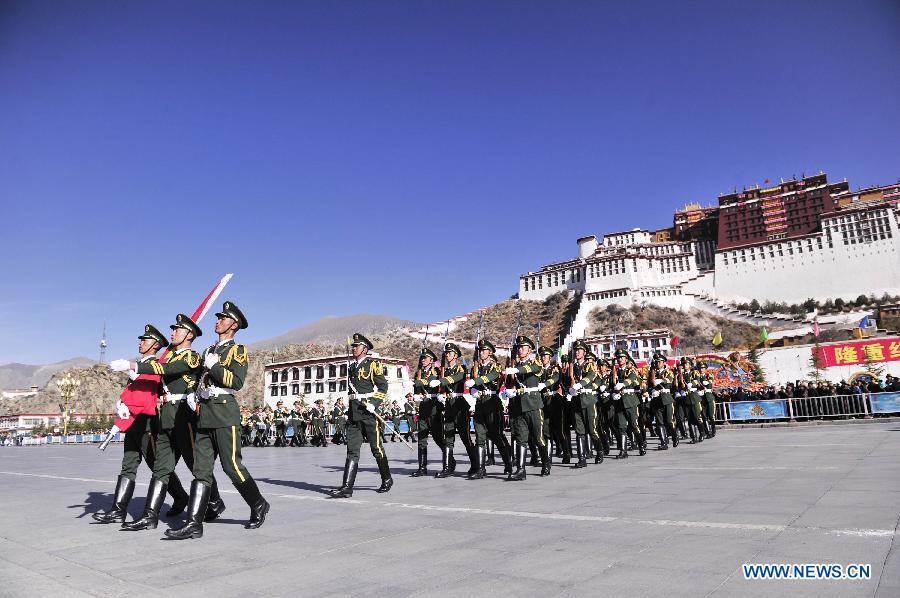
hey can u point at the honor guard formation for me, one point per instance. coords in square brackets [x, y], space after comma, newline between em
[182, 406]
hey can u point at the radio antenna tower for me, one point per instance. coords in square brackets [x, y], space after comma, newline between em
[103, 345]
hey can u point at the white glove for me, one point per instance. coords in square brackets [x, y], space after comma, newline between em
[706, 383]
[511, 371]
[434, 383]
[369, 407]
[122, 410]
[511, 392]
[119, 365]
[569, 396]
[470, 400]
[645, 399]
[470, 383]
[210, 360]
[572, 392]
[654, 394]
[417, 397]
[603, 388]
[577, 386]
[442, 399]
[616, 396]
[132, 374]
[474, 393]
[541, 386]
[191, 402]
[691, 387]
[620, 386]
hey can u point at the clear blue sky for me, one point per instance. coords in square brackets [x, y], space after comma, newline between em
[408, 158]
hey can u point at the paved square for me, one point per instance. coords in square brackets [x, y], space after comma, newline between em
[676, 523]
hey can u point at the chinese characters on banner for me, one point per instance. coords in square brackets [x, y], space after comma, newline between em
[871, 351]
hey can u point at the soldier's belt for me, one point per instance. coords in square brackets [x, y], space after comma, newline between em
[530, 389]
[486, 393]
[627, 391]
[172, 398]
[585, 391]
[363, 397]
[216, 391]
[456, 395]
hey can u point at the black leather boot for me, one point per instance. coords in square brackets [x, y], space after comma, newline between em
[620, 444]
[423, 461]
[520, 472]
[446, 456]
[579, 446]
[452, 461]
[481, 455]
[701, 431]
[249, 491]
[193, 528]
[712, 428]
[691, 432]
[642, 444]
[491, 453]
[662, 432]
[346, 488]
[150, 519]
[386, 480]
[506, 456]
[545, 460]
[215, 506]
[566, 448]
[124, 490]
[179, 496]
[674, 433]
[533, 453]
[598, 450]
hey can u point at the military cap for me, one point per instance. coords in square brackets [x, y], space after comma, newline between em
[151, 332]
[686, 360]
[658, 356]
[183, 321]
[590, 355]
[230, 310]
[359, 339]
[603, 363]
[544, 350]
[320, 400]
[580, 344]
[486, 344]
[624, 353]
[524, 341]
[429, 353]
[452, 347]
[564, 358]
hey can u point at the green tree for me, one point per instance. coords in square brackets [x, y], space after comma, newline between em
[862, 300]
[754, 306]
[839, 303]
[815, 362]
[757, 372]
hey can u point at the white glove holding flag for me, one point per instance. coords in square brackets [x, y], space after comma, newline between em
[510, 393]
[616, 396]
[369, 407]
[654, 394]
[434, 383]
[470, 383]
[120, 365]
[210, 360]
[191, 402]
[603, 388]
[122, 410]
[511, 371]
[620, 386]
[442, 399]
[474, 393]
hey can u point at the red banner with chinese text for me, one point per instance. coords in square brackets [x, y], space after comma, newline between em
[872, 351]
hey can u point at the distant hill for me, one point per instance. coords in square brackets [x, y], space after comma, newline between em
[20, 376]
[334, 330]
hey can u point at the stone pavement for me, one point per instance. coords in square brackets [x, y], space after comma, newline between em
[675, 523]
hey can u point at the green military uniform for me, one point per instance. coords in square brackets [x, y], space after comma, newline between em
[431, 413]
[281, 415]
[217, 436]
[452, 381]
[561, 413]
[396, 414]
[484, 384]
[340, 421]
[606, 405]
[660, 384]
[709, 402]
[410, 410]
[317, 415]
[627, 395]
[368, 382]
[694, 387]
[525, 410]
[583, 390]
[550, 383]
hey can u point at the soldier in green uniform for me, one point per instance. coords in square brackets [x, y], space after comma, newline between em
[550, 384]
[693, 386]
[483, 385]
[626, 393]
[561, 415]
[177, 421]
[368, 383]
[225, 365]
[317, 415]
[660, 381]
[410, 409]
[396, 414]
[431, 411]
[140, 440]
[525, 403]
[339, 419]
[580, 381]
[709, 401]
[606, 406]
[451, 381]
[281, 416]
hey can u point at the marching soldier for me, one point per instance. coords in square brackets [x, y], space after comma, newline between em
[692, 386]
[525, 403]
[140, 437]
[395, 420]
[368, 382]
[178, 421]
[297, 422]
[281, 416]
[483, 385]
[626, 393]
[709, 401]
[549, 388]
[225, 365]
[452, 380]
[560, 421]
[410, 409]
[317, 414]
[661, 380]
[431, 411]
[339, 419]
[606, 406]
[581, 376]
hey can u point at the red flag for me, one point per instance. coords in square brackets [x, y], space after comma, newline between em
[816, 327]
[674, 342]
[766, 182]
